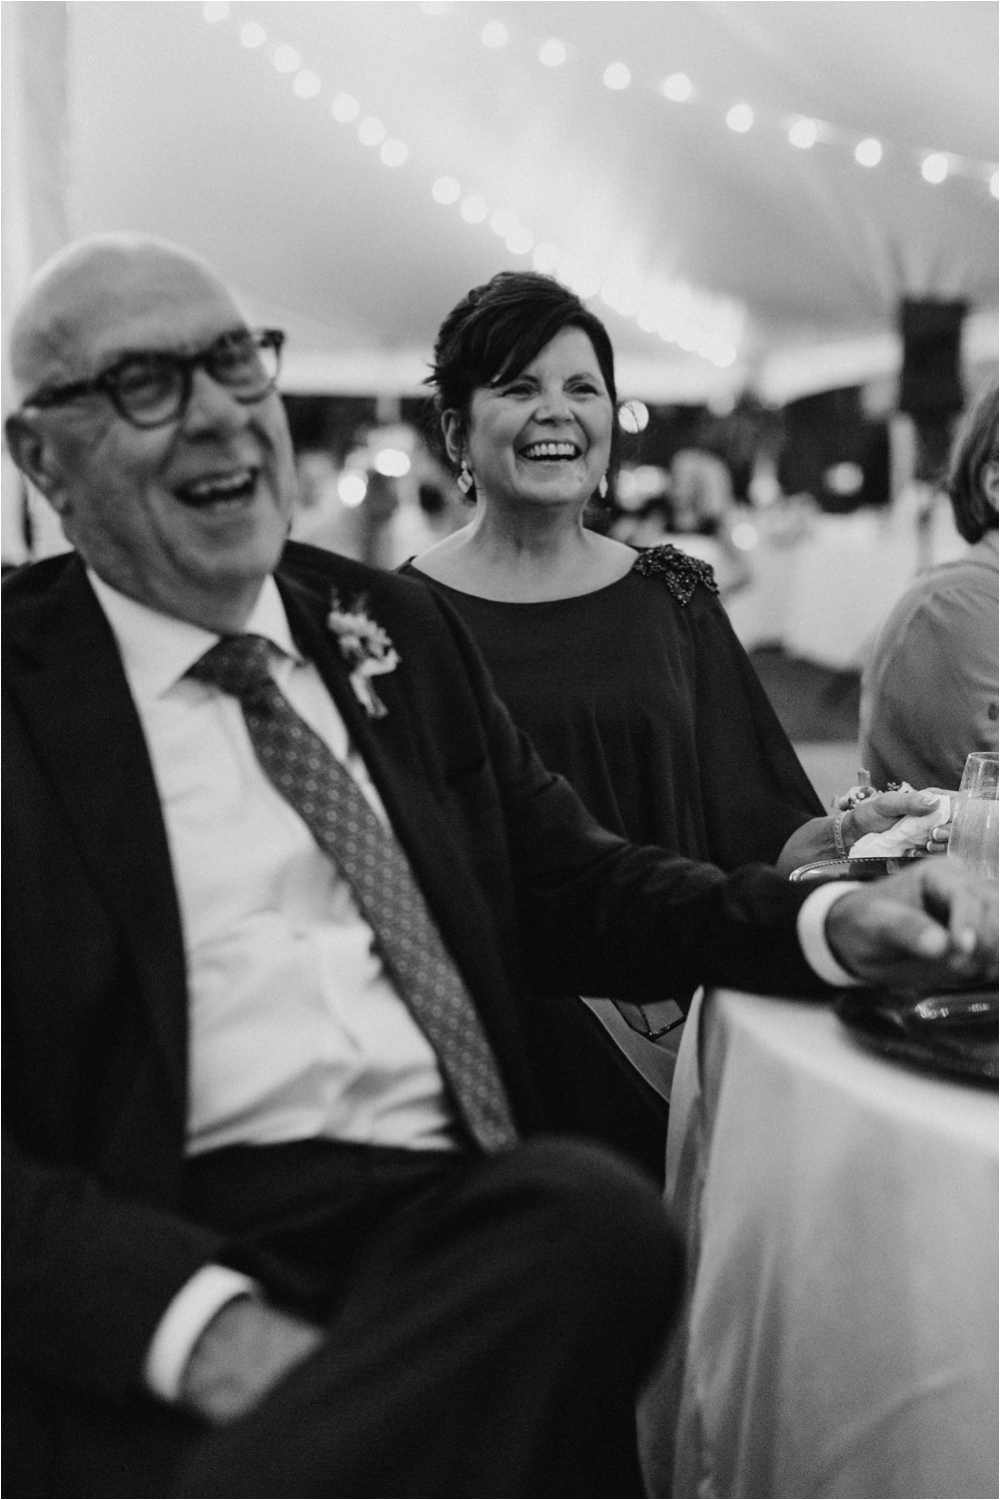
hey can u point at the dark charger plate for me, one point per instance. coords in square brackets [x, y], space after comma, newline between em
[845, 869]
[951, 1034]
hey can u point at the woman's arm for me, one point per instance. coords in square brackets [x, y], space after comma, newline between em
[817, 839]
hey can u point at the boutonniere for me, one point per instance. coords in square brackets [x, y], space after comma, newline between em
[365, 647]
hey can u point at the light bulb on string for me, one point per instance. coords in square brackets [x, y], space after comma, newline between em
[678, 88]
[934, 167]
[286, 59]
[617, 76]
[520, 242]
[803, 133]
[393, 153]
[371, 132]
[306, 84]
[446, 190]
[345, 108]
[868, 153]
[494, 34]
[552, 53]
[995, 184]
[252, 34]
[740, 118]
[351, 489]
[215, 11]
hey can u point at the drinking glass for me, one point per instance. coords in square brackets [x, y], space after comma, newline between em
[975, 823]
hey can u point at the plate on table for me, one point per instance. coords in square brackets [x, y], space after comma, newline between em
[952, 1034]
[844, 869]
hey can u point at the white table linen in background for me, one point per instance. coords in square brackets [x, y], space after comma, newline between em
[821, 585]
[841, 1217]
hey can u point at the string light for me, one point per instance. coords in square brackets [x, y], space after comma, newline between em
[286, 59]
[352, 488]
[678, 87]
[552, 53]
[371, 132]
[995, 184]
[803, 133]
[446, 190]
[394, 153]
[617, 75]
[345, 108]
[307, 84]
[934, 168]
[700, 322]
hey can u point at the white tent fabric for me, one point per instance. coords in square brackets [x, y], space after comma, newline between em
[176, 125]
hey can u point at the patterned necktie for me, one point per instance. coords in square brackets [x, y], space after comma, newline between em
[327, 798]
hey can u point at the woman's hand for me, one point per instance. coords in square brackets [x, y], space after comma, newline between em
[876, 814]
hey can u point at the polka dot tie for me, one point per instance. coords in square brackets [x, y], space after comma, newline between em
[327, 798]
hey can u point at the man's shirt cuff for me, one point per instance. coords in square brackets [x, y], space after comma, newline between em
[185, 1320]
[811, 927]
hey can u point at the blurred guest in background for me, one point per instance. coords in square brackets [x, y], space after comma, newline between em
[622, 667]
[929, 693]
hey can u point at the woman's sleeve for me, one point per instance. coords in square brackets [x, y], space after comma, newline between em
[754, 791]
[929, 695]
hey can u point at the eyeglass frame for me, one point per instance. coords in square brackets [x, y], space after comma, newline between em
[104, 384]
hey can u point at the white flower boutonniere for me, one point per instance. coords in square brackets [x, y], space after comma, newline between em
[366, 648]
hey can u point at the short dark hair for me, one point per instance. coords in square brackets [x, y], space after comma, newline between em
[499, 328]
[974, 447]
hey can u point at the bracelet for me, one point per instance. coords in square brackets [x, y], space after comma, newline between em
[838, 833]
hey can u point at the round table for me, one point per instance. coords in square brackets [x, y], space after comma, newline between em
[841, 1219]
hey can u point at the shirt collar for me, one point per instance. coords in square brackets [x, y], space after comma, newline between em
[158, 649]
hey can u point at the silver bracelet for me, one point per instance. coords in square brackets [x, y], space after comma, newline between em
[838, 834]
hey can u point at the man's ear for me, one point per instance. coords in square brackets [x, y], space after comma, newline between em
[453, 432]
[32, 451]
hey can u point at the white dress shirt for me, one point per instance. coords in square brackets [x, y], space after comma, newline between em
[295, 1030]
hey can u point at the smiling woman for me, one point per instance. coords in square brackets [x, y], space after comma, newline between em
[621, 666]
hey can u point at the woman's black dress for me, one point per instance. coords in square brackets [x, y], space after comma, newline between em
[642, 697]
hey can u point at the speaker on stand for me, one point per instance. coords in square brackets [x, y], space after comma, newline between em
[930, 391]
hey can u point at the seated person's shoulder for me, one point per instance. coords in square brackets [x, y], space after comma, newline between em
[30, 582]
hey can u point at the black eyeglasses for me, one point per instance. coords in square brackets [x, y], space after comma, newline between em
[153, 388]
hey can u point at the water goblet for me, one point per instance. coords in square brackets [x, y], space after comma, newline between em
[975, 823]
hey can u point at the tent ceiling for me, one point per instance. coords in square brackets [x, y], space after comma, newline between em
[178, 128]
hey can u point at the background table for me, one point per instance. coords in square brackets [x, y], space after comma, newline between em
[841, 1217]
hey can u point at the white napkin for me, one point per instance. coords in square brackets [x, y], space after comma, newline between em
[911, 832]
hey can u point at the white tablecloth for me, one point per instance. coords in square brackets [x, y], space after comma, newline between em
[822, 589]
[841, 1217]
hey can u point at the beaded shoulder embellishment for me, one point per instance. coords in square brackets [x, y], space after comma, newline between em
[679, 572]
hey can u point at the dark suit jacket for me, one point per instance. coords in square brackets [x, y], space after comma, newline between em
[530, 893]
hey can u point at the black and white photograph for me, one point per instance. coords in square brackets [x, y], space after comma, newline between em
[500, 738]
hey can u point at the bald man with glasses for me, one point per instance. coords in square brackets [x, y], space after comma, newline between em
[288, 1212]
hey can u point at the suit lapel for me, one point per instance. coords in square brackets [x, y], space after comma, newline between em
[68, 680]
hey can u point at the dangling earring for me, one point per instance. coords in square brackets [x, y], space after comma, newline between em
[602, 488]
[465, 480]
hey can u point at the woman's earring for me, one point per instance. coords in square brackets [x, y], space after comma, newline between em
[465, 480]
[602, 488]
